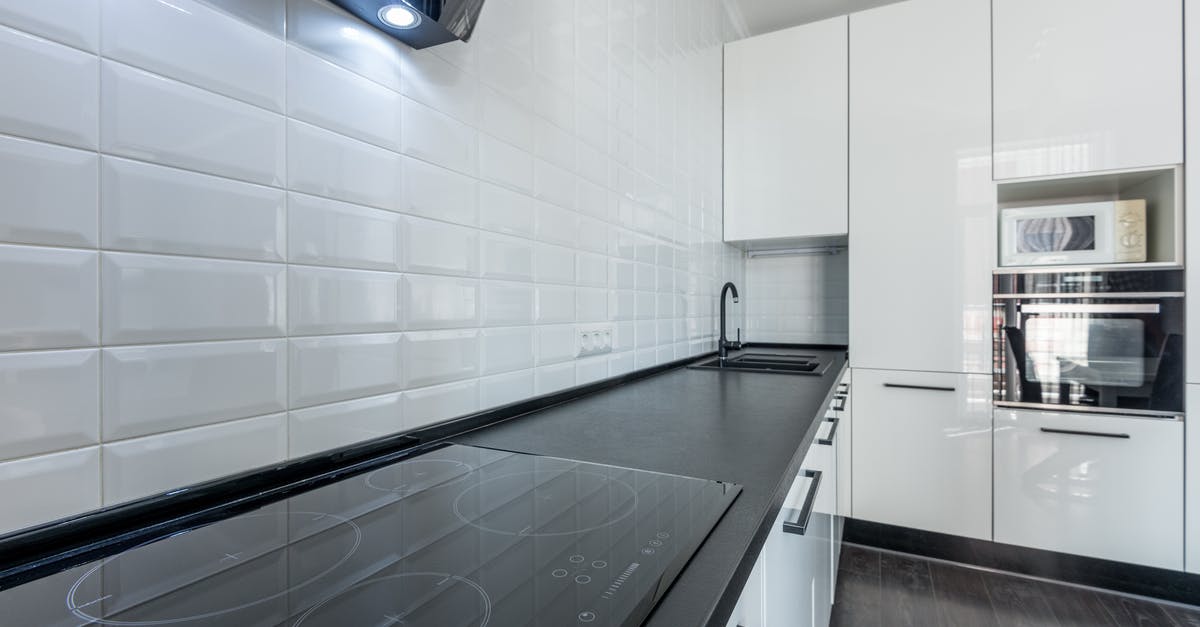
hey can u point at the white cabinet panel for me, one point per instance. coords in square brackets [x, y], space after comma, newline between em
[1087, 85]
[921, 216]
[785, 133]
[923, 451]
[1191, 496]
[1192, 183]
[1100, 486]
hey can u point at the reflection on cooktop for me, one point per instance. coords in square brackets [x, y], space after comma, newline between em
[456, 537]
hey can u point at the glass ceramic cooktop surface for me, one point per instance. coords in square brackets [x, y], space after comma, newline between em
[456, 537]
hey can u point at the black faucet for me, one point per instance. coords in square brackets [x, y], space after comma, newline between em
[723, 344]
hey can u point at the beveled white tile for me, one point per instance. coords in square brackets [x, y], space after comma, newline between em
[151, 118]
[327, 164]
[322, 428]
[434, 192]
[152, 298]
[591, 369]
[620, 363]
[333, 233]
[65, 483]
[144, 466]
[592, 235]
[624, 339]
[555, 304]
[505, 211]
[193, 43]
[554, 185]
[51, 401]
[503, 118]
[622, 305]
[504, 164]
[337, 368]
[506, 303]
[506, 257]
[433, 302]
[555, 145]
[556, 225]
[547, 379]
[507, 71]
[591, 304]
[592, 270]
[432, 357]
[553, 264]
[50, 298]
[151, 389]
[49, 194]
[591, 164]
[433, 247]
[154, 209]
[505, 349]
[645, 334]
[621, 274]
[554, 343]
[65, 21]
[503, 389]
[50, 90]
[329, 300]
[430, 80]
[644, 305]
[339, 36]
[337, 99]
[435, 137]
[426, 406]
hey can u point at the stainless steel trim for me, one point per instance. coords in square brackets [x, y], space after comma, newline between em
[1086, 295]
[1139, 266]
[1111, 411]
[1094, 308]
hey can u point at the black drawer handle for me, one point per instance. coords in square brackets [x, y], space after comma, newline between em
[1097, 434]
[931, 388]
[828, 441]
[843, 388]
[839, 403]
[800, 525]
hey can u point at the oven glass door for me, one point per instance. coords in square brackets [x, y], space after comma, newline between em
[1093, 353]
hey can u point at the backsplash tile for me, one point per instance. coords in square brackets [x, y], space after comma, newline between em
[797, 299]
[281, 237]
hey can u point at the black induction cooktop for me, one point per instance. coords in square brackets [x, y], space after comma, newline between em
[455, 537]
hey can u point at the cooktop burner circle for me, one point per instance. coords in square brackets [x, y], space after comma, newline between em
[397, 599]
[80, 607]
[412, 476]
[589, 495]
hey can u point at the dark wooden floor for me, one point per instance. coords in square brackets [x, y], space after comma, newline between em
[879, 589]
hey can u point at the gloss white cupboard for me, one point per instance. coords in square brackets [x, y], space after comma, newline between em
[1087, 85]
[785, 133]
[1192, 481]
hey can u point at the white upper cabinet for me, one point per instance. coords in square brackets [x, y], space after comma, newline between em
[1087, 85]
[922, 223]
[785, 133]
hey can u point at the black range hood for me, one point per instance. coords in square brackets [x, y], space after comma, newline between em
[418, 23]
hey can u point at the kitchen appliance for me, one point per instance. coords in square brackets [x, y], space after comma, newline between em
[1099, 341]
[1084, 233]
[419, 23]
[456, 536]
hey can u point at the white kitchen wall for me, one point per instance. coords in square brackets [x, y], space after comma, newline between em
[238, 232]
[797, 299]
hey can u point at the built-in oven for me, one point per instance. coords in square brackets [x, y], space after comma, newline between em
[1096, 341]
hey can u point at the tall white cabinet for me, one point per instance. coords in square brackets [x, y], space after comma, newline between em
[1087, 85]
[1192, 423]
[922, 232]
[785, 133]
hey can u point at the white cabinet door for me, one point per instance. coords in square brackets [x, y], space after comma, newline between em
[796, 566]
[844, 445]
[1106, 487]
[923, 450]
[750, 606]
[785, 133]
[1192, 198]
[922, 225]
[1087, 85]
[1192, 482]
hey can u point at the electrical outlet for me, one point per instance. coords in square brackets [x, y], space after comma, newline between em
[593, 339]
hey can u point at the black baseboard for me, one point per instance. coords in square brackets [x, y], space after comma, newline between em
[1146, 581]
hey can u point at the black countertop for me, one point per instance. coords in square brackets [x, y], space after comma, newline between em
[742, 427]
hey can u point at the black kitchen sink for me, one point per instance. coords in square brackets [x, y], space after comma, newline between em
[766, 362]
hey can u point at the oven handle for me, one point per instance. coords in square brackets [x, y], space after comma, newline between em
[800, 525]
[1097, 434]
[1091, 308]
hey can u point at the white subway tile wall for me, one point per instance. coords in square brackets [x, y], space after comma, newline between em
[237, 232]
[797, 299]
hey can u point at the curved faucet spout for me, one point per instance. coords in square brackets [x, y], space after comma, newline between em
[723, 344]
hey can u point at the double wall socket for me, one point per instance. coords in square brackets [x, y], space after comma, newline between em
[593, 339]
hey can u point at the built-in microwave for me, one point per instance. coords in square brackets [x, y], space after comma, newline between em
[1076, 234]
[1096, 341]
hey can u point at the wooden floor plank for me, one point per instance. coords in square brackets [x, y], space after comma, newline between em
[858, 602]
[961, 596]
[906, 591]
[857, 559]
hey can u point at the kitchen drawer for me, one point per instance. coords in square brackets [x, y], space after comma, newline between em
[923, 450]
[1101, 486]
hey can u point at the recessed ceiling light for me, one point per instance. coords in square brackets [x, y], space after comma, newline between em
[399, 16]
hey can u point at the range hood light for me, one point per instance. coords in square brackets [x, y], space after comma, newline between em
[399, 16]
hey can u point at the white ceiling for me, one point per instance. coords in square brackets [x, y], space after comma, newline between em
[764, 16]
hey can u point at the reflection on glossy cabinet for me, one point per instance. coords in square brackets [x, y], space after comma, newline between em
[922, 227]
[785, 133]
[1192, 482]
[1087, 85]
[1109, 487]
[923, 450]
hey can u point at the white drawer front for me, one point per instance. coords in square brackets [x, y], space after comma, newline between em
[1106, 487]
